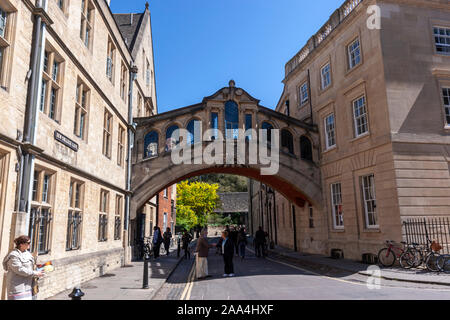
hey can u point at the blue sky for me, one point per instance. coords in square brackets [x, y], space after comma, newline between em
[199, 45]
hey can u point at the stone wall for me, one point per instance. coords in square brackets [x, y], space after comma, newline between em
[73, 271]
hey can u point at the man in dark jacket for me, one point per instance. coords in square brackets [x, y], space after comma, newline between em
[260, 238]
[228, 253]
[186, 239]
[157, 240]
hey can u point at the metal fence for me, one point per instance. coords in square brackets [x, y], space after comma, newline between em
[423, 230]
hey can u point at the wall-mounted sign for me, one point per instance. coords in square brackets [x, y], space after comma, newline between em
[66, 141]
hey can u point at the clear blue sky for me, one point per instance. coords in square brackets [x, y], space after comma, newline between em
[199, 45]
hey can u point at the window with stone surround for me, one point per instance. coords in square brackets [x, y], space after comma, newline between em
[123, 82]
[81, 110]
[370, 203]
[87, 22]
[442, 40]
[103, 216]
[147, 72]
[51, 87]
[287, 141]
[121, 146]
[118, 218]
[7, 21]
[311, 217]
[75, 215]
[354, 54]
[140, 103]
[330, 134]
[446, 97]
[41, 211]
[107, 130]
[60, 4]
[336, 206]
[325, 76]
[110, 58]
[360, 119]
[304, 93]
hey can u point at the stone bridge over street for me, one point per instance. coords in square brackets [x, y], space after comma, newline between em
[222, 115]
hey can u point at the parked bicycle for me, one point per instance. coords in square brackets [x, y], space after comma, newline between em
[391, 253]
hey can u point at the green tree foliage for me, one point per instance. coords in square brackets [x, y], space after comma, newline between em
[195, 202]
[226, 182]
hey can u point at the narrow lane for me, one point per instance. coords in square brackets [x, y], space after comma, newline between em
[267, 279]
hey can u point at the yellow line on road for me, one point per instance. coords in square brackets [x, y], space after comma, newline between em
[187, 290]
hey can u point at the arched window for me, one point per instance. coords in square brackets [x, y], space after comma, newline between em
[231, 120]
[287, 141]
[306, 148]
[267, 126]
[172, 137]
[194, 129]
[151, 144]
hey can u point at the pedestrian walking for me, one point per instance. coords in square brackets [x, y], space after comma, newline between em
[186, 239]
[260, 238]
[228, 253]
[167, 236]
[242, 243]
[157, 240]
[21, 274]
[202, 255]
[234, 236]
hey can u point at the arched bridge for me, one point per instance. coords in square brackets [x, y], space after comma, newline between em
[227, 113]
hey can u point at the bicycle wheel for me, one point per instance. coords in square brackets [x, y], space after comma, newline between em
[386, 257]
[431, 262]
[410, 259]
[443, 263]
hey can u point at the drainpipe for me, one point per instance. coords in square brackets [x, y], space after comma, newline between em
[295, 228]
[130, 142]
[22, 223]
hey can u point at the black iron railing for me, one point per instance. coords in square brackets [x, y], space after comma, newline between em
[424, 230]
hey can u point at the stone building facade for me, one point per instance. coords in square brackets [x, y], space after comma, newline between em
[65, 129]
[380, 99]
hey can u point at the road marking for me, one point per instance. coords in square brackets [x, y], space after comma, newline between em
[346, 281]
[189, 284]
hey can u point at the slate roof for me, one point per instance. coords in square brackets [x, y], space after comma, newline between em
[233, 202]
[129, 28]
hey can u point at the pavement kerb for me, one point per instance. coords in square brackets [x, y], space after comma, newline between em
[364, 273]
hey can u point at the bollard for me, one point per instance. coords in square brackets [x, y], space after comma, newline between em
[145, 280]
[76, 294]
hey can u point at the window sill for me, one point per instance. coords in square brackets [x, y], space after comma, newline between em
[353, 69]
[342, 230]
[304, 104]
[322, 91]
[372, 230]
[364, 135]
[333, 148]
